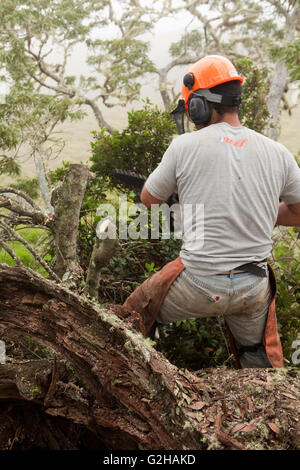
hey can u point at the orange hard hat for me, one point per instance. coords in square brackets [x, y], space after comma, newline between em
[208, 72]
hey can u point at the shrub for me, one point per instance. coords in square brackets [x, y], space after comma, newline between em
[286, 262]
[254, 111]
[29, 186]
[139, 147]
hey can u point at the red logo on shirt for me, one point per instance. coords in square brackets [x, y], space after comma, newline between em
[235, 143]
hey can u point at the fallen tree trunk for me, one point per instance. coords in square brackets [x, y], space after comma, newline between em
[110, 380]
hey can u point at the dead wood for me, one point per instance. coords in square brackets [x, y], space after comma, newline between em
[111, 381]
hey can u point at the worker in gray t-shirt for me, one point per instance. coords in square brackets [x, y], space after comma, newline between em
[236, 177]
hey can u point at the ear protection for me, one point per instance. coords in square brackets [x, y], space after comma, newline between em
[198, 105]
[199, 110]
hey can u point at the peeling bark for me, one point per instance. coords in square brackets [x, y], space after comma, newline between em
[128, 385]
[113, 381]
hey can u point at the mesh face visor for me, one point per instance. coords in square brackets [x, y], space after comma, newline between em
[178, 115]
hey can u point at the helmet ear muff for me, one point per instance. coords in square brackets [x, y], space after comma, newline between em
[189, 80]
[199, 110]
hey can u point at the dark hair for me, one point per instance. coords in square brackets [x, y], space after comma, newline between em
[229, 88]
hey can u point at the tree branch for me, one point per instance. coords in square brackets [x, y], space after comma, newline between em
[66, 200]
[36, 256]
[41, 173]
[22, 195]
[11, 253]
[104, 249]
[36, 216]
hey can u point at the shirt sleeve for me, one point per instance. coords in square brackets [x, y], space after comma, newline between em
[162, 181]
[291, 190]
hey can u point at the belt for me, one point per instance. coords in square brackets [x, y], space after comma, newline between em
[259, 268]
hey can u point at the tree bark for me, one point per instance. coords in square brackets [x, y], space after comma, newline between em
[280, 76]
[98, 115]
[114, 382]
[22, 205]
[277, 88]
[42, 179]
[104, 249]
[67, 200]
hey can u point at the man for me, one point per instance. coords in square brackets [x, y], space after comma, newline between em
[239, 176]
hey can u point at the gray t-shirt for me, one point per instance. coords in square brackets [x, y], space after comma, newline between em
[238, 175]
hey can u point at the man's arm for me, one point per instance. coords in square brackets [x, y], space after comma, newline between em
[162, 181]
[147, 198]
[288, 215]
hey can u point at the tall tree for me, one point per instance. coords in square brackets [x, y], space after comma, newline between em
[38, 39]
[239, 29]
[28, 121]
[288, 29]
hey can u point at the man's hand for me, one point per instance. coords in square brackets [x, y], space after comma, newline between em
[288, 215]
[147, 198]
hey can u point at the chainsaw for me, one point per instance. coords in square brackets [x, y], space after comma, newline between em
[136, 181]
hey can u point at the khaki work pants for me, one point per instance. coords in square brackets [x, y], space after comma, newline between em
[243, 299]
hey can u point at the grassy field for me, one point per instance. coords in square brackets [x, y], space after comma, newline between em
[290, 126]
[78, 136]
[34, 237]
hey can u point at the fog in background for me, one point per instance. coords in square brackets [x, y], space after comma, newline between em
[78, 134]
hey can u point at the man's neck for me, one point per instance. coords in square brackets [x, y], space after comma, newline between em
[230, 118]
